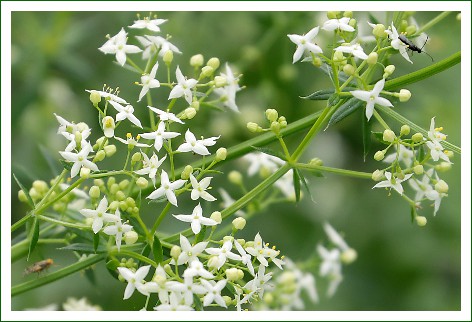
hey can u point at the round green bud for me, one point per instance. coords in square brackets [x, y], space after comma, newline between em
[449, 153]
[99, 182]
[216, 216]
[207, 71]
[94, 192]
[421, 221]
[347, 14]
[221, 154]
[443, 166]
[84, 172]
[379, 155]
[220, 81]
[22, 196]
[235, 177]
[196, 60]
[275, 127]
[195, 105]
[100, 141]
[136, 157]
[379, 31]
[100, 156]
[232, 274]
[316, 162]
[417, 137]
[123, 184]
[123, 206]
[130, 237]
[252, 127]
[239, 223]
[271, 114]
[249, 244]
[110, 150]
[95, 97]
[114, 205]
[403, 26]
[111, 181]
[228, 238]
[228, 300]
[389, 69]
[130, 202]
[349, 70]
[410, 30]
[317, 62]
[405, 130]
[404, 95]
[41, 186]
[377, 175]
[213, 262]
[418, 169]
[348, 256]
[388, 136]
[188, 170]
[142, 183]
[441, 186]
[120, 195]
[372, 58]
[88, 221]
[338, 57]
[189, 113]
[353, 23]
[175, 252]
[333, 14]
[213, 63]
[168, 57]
[114, 188]
[268, 298]
[168, 269]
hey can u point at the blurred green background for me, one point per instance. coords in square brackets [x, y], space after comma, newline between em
[400, 266]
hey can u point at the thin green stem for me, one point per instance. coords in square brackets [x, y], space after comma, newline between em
[132, 63]
[62, 223]
[124, 252]
[160, 219]
[343, 172]
[381, 120]
[433, 22]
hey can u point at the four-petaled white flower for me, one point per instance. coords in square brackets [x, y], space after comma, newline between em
[166, 116]
[228, 201]
[163, 45]
[228, 92]
[245, 257]
[131, 142]
[392, 182]
[196, 269]
[422, 186]
[159, 135]
[199, 188]
[174, 304]
[99, 215]
[353, 49]
[223, 253]
[125, 112]
[189, 253]
[135, 280]
[372, 98]
[150, 166]
[258, 250]
[434, 134]
[214, 292]
[167, 189]
[187, 288]
[108, 96]
[259, 283]
[151, 24]
[184, 87]
[196, 219]
[79, 159]
[149, 81]
[305, 43]
[117, 45]
[261, 161]
[331, 267]
[435, 146]
[118, 229]
[338, 24]
[157, 285]
[397, 43]
[72, 136]
[404, 155]
[196, 146]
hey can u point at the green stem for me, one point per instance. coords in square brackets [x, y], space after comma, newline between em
[124, 252]
[160, 218]
[132, 63]
[37, 282]
[343, 172]
[432, 22]
[62, 223]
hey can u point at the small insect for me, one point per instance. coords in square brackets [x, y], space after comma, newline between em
[38, 267]
[412, 46]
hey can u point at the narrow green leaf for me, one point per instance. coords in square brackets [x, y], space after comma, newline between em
[269, 151]
[33, 237]
[201, 235]
[328, 71]
[157, 250]
[90, 275]
[50, 160]
[346, 109]
[136, 226]
[366, 135]
[84, 248]
[325, 94]
[379, 137]
[296, 184]
[197, 302]
[112, 266]
[333, 99]
[306, 186]
[96, 242]
[28, 197]
[138, 200]
[145, 252]
[413, 213]
[421, 153]
[230, 288]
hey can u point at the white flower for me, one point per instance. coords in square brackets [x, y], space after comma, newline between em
[261, 161]
[175, 304]
[149, 81]
[214, 292]
[285, 184]
[404, 155]
[163, 45]
[336, 238]
[341, 24]
[189, 253]
[64, 125]
[434, 134]
[80, 160]
[196, 146]
[223, 253]
[436, 150]
[166, 116]
[228, 201]
[187, 288]
[125, 112]
[135, 280]
[305, 43]
[392, 182]
[108, 126]
[150, 166]
[118, 229]
[423, 186]
[72, 142]
[109, 96]
[245, 257]
[99, 215]
[160, 135]
[397, 43]
[196, 269]
[228, 92]
[372, 98]
[117, 45]
[353, 49]
[151, 24]
[331, 267]
[196, 219]
[167, 188]
[149, 47]
[183, 88]
[258, 284]
[258, 250]
[157, 285]
[73, 304]
[199, 188]
[131, 142]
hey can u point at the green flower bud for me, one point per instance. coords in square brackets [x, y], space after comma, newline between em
[410, 30]
[377, 175]
[449, 153]
[136, 157]
[232, 274]
[417, 137]
[220, 81]
[196, 60]
[41, 186]
[111, 181]
[175, 252]
[195, 105]
[22, 196]
[348, 256]
[216, 216]
[120, 195]
[94, 192]
[317, 62]
[421, 221]
[114, 205]
[100, 141]
[213, 63]
[228, 300]
[99, 156]
[142, 183]
[187, 172]
[347, 14]
[221, 154]
[372, 58]
[379, 31]
[405, 130]
[418, 169]
[84, 172]
[213, 262]
[268, 298]
[271, 114]
[123, 184]
[89, 221]
[252, 127]
[349, 69]
[235, 177]
[239, 223]
[168, 57]
[130, 237]
[109, 150]
[338, 57]
[443, 166]
[275, 127]
[389, 69]
[95, 97]
[389, 136]
[123, 206]
[207, 71]
[114, 188]
[353, 23]
[99, 182]
[130, 202]
[441, 186]
[379, 155]
[333, 14]
[404, 95]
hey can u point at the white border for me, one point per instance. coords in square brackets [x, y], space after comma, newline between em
[8, 7]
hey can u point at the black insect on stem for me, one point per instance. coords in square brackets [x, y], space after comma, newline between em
[412, 46]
